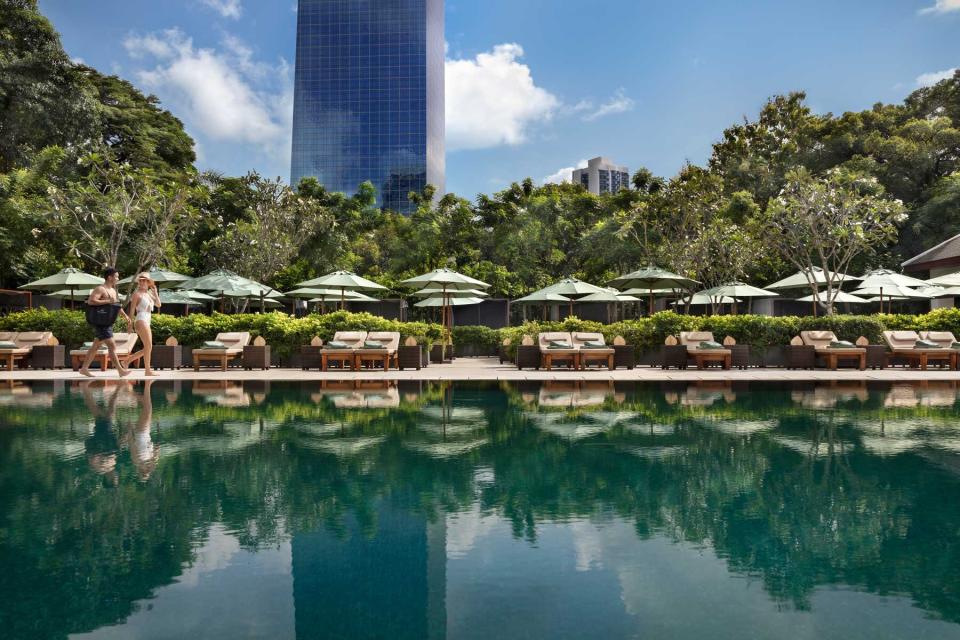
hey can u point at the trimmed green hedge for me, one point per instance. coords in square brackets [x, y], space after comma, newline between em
[285, 334]
[759, 331]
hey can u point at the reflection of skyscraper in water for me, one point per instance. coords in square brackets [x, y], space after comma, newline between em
[389, 584]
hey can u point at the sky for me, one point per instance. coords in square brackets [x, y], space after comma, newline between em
[534, 87]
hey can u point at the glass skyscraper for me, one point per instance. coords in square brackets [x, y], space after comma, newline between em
[369, 96]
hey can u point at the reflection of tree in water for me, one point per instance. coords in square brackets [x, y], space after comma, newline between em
[821, 511]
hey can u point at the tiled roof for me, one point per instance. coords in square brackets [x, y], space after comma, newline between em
[946, 250]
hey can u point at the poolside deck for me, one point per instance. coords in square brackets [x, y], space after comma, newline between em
[491, 369]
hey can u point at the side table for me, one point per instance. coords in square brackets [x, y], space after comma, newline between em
[739, 356]
[48, 356]
[624, 355]
[255, 357]
[167, 356]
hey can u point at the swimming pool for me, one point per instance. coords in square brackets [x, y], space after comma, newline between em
[439, 510]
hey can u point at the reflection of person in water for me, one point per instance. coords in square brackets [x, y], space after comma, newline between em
[143, 451]
[102, 445]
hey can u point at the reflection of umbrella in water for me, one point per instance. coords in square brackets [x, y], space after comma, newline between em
[653, 453]
[734, 427]
[345, 447]
[565, 427]
[446, 449]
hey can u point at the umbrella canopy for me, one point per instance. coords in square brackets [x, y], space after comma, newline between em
[178, 297]
[454, 293]
[948, 280]
[444, 279]
[842, 297]
[538, 297]
[701, 299]
[310, 292]
[652, 277]
[884, 278]
[573, 288]
[352, 296]
[66, 279]
[802, 280]
[195, 295]
[893, 291]
[607, 296]
[162, 277]
[738, 290]
[447, 302]
[75, 295]
[220, 280]
[342, 281]
[252, 291]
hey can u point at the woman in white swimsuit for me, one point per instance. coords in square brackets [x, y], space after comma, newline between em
[142, 304]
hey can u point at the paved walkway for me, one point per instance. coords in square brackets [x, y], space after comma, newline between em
[491, 369]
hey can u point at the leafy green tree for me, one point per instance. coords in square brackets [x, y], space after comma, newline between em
[44, 98]
[828, 223]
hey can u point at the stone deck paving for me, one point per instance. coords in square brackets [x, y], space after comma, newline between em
[490, 369]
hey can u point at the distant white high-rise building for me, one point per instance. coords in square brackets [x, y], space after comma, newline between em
[602, 176]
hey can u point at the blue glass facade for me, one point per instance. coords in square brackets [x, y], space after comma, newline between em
[369, 96]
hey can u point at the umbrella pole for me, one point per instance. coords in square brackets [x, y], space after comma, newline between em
[72, 301]
[650, 308]
[881, 300]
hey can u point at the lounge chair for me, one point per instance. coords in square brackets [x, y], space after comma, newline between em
[25, 342]
[384, 355]
[693, 341]
[550, 353]
[233, 344]
[352, 340]
[903, 344]
[821, 341]
[603, 355]
[124, 342]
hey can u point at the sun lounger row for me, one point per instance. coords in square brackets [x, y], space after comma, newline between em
[578, 350]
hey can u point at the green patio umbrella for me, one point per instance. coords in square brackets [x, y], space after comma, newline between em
[806, 280]
[650, 279]
[701, 299]
[538, 297]
[342, 281]
[455, 293]
[609, 296]
[892, 292]
[76, 295]
[330, 295]
[446, 280]
[168, 296]
[266, 296]
[842, 297]
[738, 290]
[195, 295]
[68, 279]
[448, 302]
[163, 278]
[572, 288]
[880, 282]
[222, 280]
[947, 280]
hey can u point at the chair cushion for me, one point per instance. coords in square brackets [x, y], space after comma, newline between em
[337, 344]
[593, 344]
[841, 344]
[695, 337]
[8, 345]
[372, 344]
[710, 344]
[559, 344]
[904, 335]
[927, 344]
[214, 344]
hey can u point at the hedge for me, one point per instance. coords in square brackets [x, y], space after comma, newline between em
[285, 334]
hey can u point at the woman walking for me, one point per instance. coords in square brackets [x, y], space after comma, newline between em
[142, 304]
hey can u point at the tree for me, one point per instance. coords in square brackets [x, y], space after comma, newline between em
[828, 223]
[44, 98]
[270, 233]
[120, 216]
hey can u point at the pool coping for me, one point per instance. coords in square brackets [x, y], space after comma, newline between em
[490, 369]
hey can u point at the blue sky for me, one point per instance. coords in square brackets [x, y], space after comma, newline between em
[534, 86]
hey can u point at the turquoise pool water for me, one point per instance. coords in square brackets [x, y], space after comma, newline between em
[479, 511]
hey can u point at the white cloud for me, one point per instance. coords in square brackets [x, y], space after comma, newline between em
[943, 6]
[224, 94]
[619, 102]
[492, 100]
[226, 8]
[564, 175]
[933, 77]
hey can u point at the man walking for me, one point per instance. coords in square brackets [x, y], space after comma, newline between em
[106, 294]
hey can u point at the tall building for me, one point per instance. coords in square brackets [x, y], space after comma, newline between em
[369, 96]
[602, 176]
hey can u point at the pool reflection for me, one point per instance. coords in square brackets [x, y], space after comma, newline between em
[416, 509]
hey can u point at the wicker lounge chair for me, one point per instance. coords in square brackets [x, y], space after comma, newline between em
[344, 355]
[124, 342]
[821, 341]
[25, 342]
[390, 341]
[234, 344]
[602, 356]
[903, 344]
[692, 341]
[548, 355]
